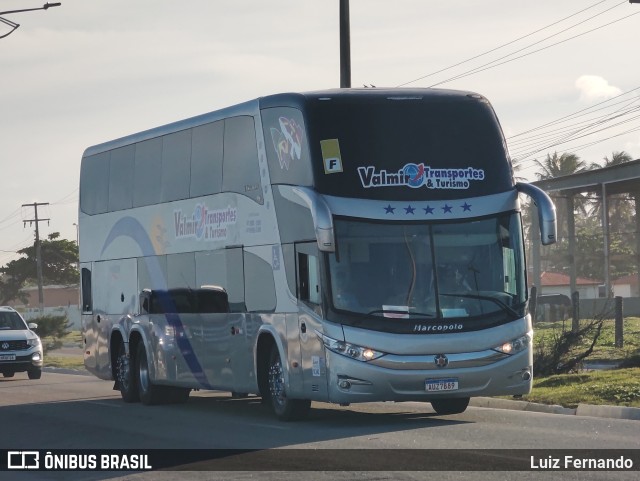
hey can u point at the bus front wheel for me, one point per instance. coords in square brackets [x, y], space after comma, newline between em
[450, 405]
[285, 408]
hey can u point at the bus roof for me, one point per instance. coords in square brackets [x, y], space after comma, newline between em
[288, 99]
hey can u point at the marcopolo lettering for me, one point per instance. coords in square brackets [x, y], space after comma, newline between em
[437, 327]
[419, 175]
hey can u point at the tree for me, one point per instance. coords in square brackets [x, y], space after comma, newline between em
[59, 266]
[620, 207]
[52, 329]
[621, 218]
[553, 166]
[559, 165]
[10, 289]
[617, 158]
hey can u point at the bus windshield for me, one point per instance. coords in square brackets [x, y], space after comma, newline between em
[429, 271]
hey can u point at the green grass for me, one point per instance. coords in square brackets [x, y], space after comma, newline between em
[65, 362]
[605, 349]
[52, 358]
[618, 387]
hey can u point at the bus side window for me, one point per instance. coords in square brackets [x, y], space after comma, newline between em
[87, 303]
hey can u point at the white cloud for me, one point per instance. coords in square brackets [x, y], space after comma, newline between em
[593, 87]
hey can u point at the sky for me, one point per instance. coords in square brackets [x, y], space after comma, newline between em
[90, 71]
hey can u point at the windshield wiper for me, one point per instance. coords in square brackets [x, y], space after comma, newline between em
[506, 308]
[399, 311]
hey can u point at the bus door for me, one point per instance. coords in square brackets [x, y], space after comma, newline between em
[310, 320]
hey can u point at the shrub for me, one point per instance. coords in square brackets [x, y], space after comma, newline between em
[559, 354]
[51, 330]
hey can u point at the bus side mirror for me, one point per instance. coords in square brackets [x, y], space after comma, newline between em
[322, 218]
[546, 211]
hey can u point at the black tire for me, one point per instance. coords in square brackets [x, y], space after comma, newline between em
[8, 374]
[125, 376]
[285, 408]
[149, 393]
[450, 405]
[34, 373]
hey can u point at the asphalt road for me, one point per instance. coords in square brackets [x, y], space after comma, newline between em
[64, 411]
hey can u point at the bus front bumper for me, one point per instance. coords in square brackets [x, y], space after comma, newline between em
[353, 381]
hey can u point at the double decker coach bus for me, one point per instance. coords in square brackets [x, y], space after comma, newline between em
[340, 246]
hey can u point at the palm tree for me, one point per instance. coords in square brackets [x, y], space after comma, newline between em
[620, 208]
[621, 214]
[559, 165]
[617, 158]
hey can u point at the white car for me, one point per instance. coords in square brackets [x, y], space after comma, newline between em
[20, 347]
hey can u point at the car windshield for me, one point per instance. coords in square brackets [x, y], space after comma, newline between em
[11, 321]
[423, 271]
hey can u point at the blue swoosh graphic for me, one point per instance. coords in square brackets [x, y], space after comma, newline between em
[131, 228]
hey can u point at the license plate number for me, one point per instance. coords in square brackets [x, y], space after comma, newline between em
[438, 385]
[7, 357]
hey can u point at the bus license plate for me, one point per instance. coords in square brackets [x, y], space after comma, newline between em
[8, 357]
[438, 385]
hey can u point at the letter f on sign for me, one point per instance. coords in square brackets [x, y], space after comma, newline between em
[331, 156]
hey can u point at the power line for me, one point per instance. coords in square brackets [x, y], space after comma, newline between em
[546, 128]
[488, 65]
[514, 41]
[584, 146]
[67, 198]
[575, 113]
[15, 213]
[573, 135]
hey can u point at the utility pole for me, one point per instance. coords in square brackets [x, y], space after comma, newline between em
[345, 45]
[38, 251]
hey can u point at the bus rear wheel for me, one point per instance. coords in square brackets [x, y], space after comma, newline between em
[450, 405]
[285, 408]
[125, 378]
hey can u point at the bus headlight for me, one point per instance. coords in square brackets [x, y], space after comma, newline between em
[353, 351]
[515, 345]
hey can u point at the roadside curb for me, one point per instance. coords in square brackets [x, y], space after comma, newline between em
[487, 402]
[589, 410]
[616, 412]
[62, 370]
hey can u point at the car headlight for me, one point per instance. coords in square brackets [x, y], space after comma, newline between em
[353, 351]
[515, 345]
[34, 342]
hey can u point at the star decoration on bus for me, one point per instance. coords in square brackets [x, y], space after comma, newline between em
[409, 209]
